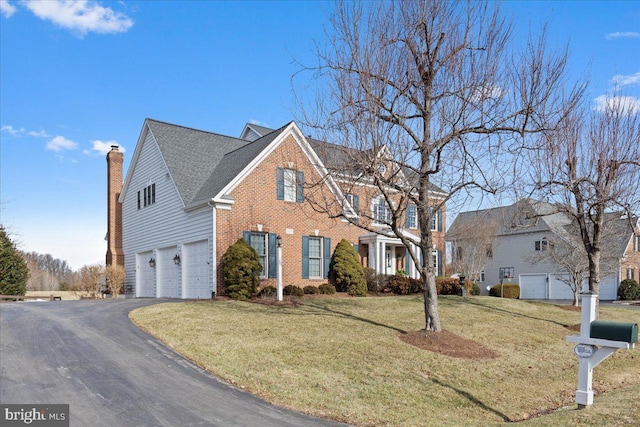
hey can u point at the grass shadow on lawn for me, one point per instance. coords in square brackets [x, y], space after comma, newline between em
[515, 313]
[353, 317]
[471, 398]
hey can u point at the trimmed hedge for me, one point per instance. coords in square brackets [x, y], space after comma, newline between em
[241, 270]
[509, 290]
[293, 290]
[268, 291]
[345, 270]
[327, 289]
[310, 290]
[403, 285]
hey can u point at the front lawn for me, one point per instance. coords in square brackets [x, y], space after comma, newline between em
[342, 358]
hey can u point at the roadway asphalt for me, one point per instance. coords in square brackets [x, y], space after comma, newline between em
[89, 355]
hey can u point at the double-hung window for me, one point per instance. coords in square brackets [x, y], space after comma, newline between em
[411, 217]
[259, 243]
[315, 257]
[290, 185]
[381, 211]
[541, 245]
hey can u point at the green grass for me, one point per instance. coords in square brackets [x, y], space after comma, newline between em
[341, 358]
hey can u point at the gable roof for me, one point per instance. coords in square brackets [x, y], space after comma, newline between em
[529, 216]
[339, 158]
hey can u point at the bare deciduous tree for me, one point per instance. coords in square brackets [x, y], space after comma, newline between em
[472, 245]
[438, 86]
[565, 250]
[590, 168]
[114, 276]
[91, 279]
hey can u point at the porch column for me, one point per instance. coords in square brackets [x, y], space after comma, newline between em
[372, 256]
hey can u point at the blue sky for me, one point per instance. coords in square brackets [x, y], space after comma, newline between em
[76, 77]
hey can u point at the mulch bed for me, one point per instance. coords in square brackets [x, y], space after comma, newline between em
[448, 344]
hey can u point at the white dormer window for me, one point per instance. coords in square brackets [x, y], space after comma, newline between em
[382, 168]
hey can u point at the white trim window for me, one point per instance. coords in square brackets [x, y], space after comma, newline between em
[541, 245]
[380, 211]
[481, 278]
[315, 257]
[411, 216]
[260, 244]
[289, 185]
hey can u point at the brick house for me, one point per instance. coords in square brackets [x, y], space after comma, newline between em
[189, 194]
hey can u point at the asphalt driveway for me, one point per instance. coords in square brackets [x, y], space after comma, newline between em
[89, 355]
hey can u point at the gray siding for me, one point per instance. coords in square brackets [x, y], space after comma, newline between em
[164, 223]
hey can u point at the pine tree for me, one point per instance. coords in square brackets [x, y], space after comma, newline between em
[241, 270]
[13, 268]
[346, 272]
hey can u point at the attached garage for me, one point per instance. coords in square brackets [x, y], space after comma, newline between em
[609, 288]
[195, 265]
[558, 287]
[145, 275]
[167, 270]
[533, 286]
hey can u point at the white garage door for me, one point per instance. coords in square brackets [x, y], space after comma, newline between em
[609, 288]
[145, 284]
[167, 273]
[558, 287]
[533, 286]
[196, 270]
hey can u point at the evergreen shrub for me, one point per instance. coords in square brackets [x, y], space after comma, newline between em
[241, 270]
[293, 291]
[629, 290]
[310, 290]
[327, 289]
[346, 272]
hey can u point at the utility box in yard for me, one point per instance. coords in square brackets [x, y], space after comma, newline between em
[614, 331]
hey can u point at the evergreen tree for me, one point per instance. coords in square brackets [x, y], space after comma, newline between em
[346, 272]
[13, 268]
[241, 270]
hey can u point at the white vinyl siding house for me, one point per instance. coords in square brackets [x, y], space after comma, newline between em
[173, 228]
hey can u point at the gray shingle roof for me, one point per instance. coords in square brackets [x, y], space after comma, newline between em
[232, 163]
[192, 156]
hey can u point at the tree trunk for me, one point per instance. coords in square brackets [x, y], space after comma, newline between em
[432, 317]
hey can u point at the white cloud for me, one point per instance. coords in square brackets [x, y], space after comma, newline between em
[6, 8]
[626, 80]
[81, 16]
[11, 130]
[41, 133]
[628, 103]
[103, 147]
[60, 143]
[622, 35]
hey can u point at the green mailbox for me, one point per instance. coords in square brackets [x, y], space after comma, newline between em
[614, 331]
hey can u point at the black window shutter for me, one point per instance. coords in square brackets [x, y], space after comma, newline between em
[305, 257]
[327, 256]
[280, 183]
[273, 267]
[300, 187]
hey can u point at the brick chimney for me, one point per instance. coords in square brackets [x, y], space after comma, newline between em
[115, 254]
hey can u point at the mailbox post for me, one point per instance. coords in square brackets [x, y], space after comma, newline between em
[610, 336]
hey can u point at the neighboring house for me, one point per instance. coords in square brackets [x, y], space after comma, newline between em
[190, 194]
[528, 227]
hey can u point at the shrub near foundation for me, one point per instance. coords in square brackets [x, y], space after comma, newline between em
[293, 290]
[327, 289]
[241, 270]
[509, 290]
[345, 270]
